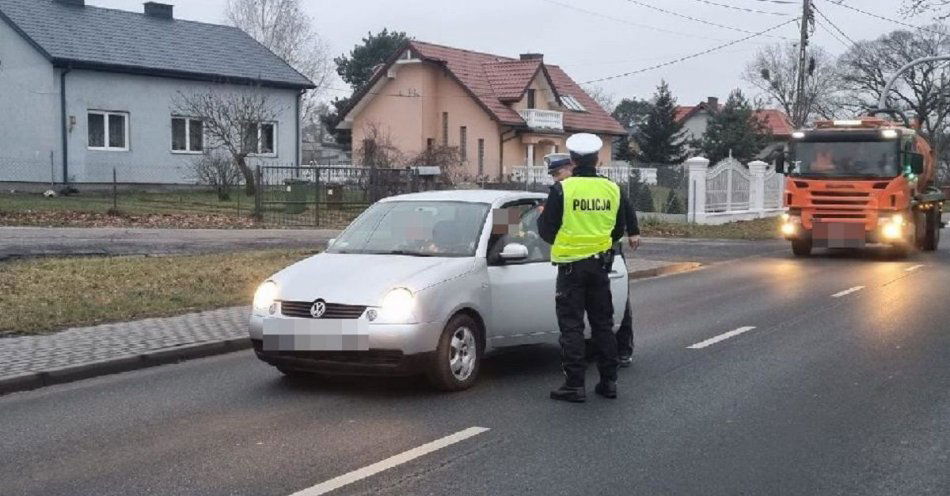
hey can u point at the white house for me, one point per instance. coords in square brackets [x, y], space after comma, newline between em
[85, 89]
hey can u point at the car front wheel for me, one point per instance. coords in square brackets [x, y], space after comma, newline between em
[458, 357]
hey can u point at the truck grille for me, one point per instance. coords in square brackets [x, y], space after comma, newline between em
[301, 309]
[839, 205]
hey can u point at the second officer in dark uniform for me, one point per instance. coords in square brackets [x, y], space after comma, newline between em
[582, 219]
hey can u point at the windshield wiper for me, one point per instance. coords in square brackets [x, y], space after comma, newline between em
[401, 252]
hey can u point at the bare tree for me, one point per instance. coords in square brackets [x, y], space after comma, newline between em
[233, 120]
[923, 91]
[216, 169]
[606, 100]
[774, 71]
[285, 29]
[940, 8]
[377, 148]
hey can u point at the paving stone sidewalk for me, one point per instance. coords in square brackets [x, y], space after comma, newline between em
[29, 362]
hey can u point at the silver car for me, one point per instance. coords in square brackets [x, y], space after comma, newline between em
[426, 282]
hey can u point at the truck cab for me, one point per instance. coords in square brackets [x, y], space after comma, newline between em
[858, 182]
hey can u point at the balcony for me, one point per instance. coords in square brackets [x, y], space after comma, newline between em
[547, 120]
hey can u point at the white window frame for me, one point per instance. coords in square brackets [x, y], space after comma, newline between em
[260, 135]
[572, 103]
[188, 150]
[105, 137]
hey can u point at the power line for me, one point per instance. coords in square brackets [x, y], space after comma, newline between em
[624, 21]
[833, 34]
[744, 9]
[695, 19]
[840, 4]
[693, 56]
[823, 16]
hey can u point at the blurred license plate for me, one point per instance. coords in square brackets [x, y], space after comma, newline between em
[838, 235]
[315, 335]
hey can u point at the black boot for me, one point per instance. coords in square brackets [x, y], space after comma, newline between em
[568, 393]
[607, 389]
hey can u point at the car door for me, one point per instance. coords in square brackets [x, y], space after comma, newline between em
[522, 292]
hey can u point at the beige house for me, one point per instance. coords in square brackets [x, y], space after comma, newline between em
[500, 112]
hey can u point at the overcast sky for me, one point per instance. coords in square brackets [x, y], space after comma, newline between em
[612, 37]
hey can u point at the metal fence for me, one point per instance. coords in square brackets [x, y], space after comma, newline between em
[326, 196]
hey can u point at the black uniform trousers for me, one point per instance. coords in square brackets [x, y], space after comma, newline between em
[584, 286]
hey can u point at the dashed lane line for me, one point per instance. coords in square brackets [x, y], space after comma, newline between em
[722, 337]
[847, 292]
[393, 461]
[911, 269]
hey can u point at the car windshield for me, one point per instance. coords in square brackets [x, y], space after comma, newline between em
[846, 159]
[415, 228]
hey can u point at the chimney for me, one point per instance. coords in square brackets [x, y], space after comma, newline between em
[712, 103]
[72, 3]
[532, 56]
[159, 10]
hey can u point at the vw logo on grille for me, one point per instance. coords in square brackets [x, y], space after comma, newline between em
[318, 309]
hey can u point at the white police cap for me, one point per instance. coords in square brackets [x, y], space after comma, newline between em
[584, 144]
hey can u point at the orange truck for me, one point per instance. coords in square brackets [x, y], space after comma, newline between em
[855, 182]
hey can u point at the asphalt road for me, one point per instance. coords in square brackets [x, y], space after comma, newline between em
[824, 395]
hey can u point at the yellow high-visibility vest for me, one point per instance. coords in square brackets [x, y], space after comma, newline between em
[590, 214]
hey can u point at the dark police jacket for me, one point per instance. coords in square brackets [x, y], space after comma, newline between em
[549, 222]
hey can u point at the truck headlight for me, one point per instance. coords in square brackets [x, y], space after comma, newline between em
[397, 307]
[790, 224]
[264, 296]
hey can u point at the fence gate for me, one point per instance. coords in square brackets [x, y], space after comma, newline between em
[727, 187]
[325, 196]
[774, 189]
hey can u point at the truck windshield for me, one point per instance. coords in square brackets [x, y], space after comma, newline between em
[846, 159]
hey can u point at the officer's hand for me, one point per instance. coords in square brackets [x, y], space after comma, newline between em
[634, 242]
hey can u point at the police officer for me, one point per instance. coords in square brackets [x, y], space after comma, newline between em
[582, 220]
[561, 168]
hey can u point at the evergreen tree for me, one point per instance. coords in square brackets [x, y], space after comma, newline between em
[661, 139]
[736, 129]
[673, 205]
[639, 194]
[356, 69]
[631, 113]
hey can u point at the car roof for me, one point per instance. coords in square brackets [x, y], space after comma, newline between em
[468, 196]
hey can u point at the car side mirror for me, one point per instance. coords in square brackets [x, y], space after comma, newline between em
[917, 163]
[514, 252]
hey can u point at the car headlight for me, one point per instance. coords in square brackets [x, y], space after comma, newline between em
[397, 307]
[264, 296]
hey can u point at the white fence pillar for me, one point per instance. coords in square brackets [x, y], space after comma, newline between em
[697, 166]
[757, 170]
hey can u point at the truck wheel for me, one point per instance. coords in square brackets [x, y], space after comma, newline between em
[458, 357]
[801, 247]
[932, 236]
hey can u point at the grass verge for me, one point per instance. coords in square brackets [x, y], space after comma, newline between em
[45, 295]
[759, 229]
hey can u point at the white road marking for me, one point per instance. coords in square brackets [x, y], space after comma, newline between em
[722, 337]
[405, 456]
[911, 269]
[847, 292]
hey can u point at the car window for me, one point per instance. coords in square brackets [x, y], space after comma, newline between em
[415, 228]
[518, 224]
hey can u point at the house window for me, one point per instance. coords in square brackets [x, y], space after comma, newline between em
[445, 129]
[429, 143]
[108, 130]
[531, 99]
[571, 103]
[463, 145]
[261, 139]
[481, 157]
[187, 135]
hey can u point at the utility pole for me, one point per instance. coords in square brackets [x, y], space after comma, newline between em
[807, 14]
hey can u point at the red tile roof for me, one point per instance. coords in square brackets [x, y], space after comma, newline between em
[494, 81]
[776, 120]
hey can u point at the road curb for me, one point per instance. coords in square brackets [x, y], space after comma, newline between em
[72, 373]
[36, 380]
[665, 270]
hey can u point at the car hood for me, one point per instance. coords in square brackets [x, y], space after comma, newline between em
[353, 279]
